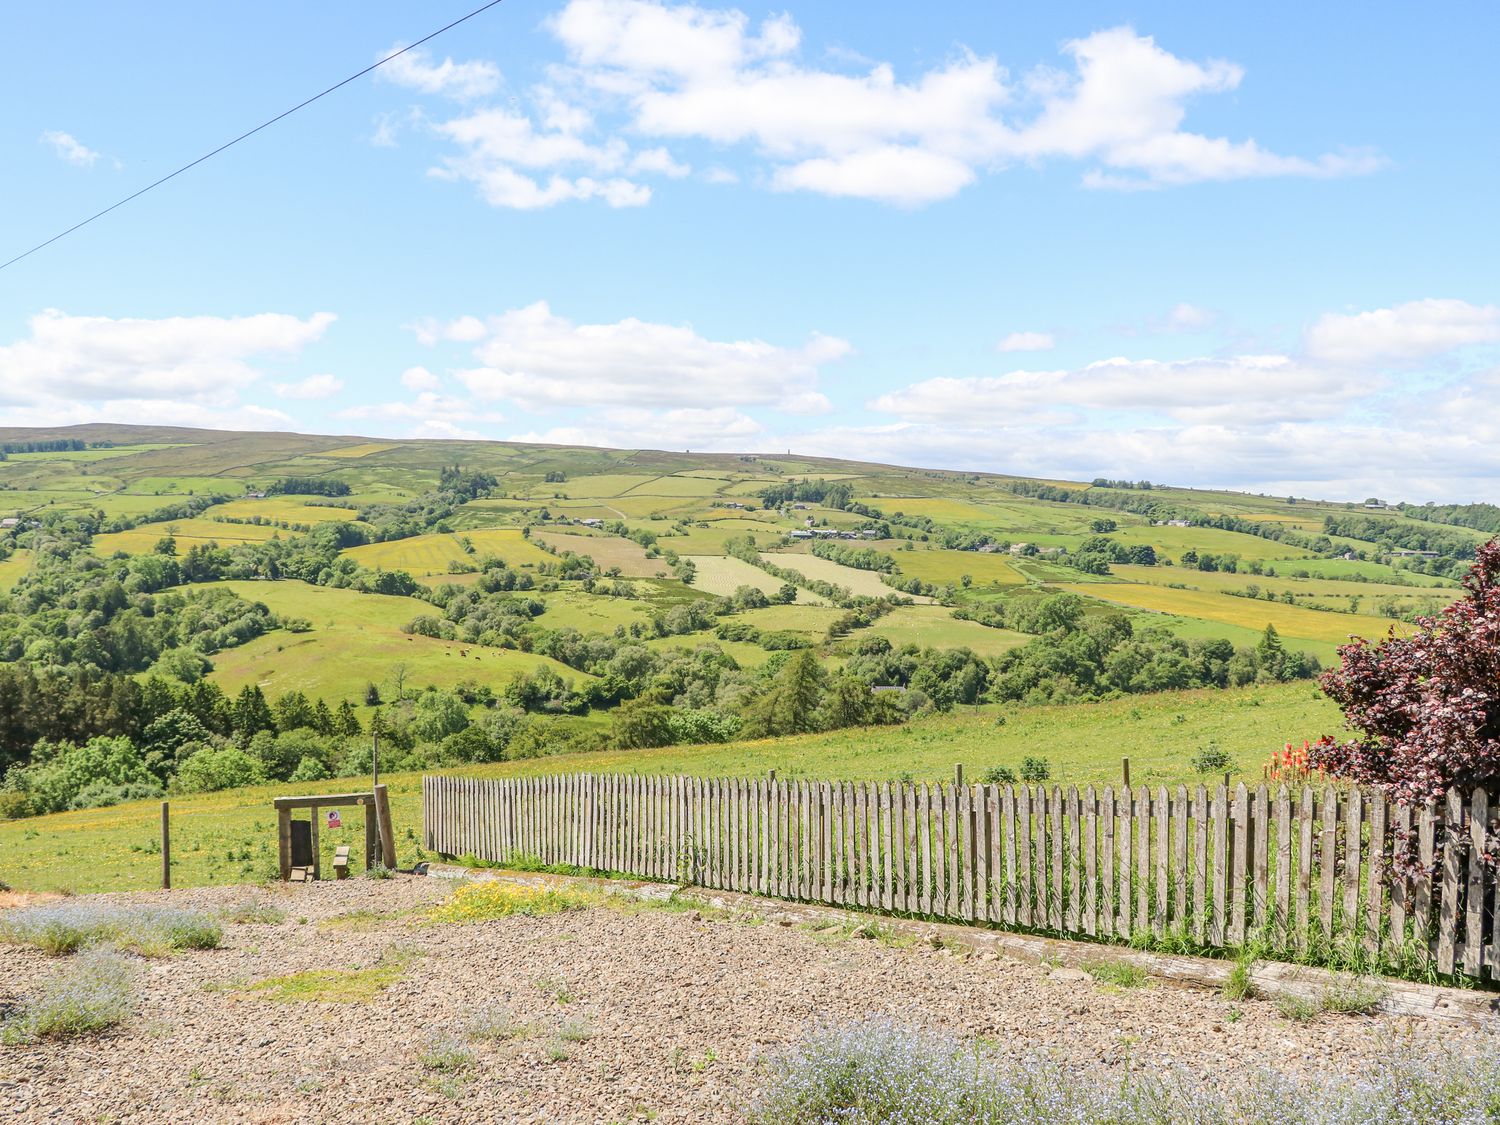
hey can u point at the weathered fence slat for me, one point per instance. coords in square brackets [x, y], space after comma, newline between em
[1023, 857]
[1479, 815]
[1107, 883]
[1374, 903]
[1074, 864]
[1448, 903]
[1090, 862]
[1143, 860]
[1353, 831]
[1260, 823]
[1283, 866]
[1227, 867]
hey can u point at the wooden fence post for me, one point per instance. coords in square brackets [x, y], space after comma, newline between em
[387, 832]
[166, 849]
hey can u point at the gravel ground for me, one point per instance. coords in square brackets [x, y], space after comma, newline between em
[631, 1015]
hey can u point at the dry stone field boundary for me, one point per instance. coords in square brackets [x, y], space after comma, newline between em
[1295, 871]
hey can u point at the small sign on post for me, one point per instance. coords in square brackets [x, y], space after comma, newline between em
[334, 820]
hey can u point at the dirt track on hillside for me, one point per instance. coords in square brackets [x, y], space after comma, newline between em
[669, 1016]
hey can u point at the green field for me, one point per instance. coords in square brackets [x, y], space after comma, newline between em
[1290, 620]
[174, 486]
[593, 487]
[943, 567]
[142, 540]
[866, 582]
[931, 626]
[677, 486]
[292, 509]
[88, 454]
[434, 554]
[589, 613]
[230, 837]
[723, 574]
[1173, 541]
[13, 568]
[356, 639]
[609, 551]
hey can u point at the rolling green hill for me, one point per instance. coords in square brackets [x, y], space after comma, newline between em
[494, 600]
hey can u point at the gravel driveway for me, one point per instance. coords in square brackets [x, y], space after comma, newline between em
[611, 1015]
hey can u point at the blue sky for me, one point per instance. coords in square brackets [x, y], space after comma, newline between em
[1203, 244]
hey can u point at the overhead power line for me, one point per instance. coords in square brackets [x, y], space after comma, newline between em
[244, 136]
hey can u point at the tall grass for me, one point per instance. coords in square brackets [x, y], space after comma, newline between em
[880, 1073]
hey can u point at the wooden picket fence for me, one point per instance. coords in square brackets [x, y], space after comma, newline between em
[1295, 869]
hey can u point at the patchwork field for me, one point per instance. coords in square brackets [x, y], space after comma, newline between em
[866, 582]
[1173, 541]
[356, 639]
[1290, 621]
[594, 487]
[811, 620]
[608, 551]
[723, 574]
[943, 567]
[434, 554]
[588, 613]
[364, 449]
[186, 486]
[188, 533]
[931, 626]
[292, 509]
[677, 486]
[710, 540]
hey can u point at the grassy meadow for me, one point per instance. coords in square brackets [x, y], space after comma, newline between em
[231, 836]
[435, 554]
[336, 641]
[356, 639]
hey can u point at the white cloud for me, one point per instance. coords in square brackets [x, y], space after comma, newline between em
[1309, 424]
[1027, 342]
[690, 72]
[1125, 107]
[1412, 331]
[1197, 390]
[543, 361]
[197, 359]
[419, 379]
[69, 149]
[846, 127]
[510, 162]
[905, 175]
[1184, 317]
[462, 81]
[660, 161]
[720, 428]
[146, 412]
[1325, 460]
[313, 387]
[428, 414]
[441, 430]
